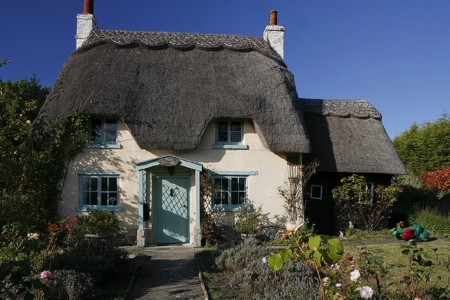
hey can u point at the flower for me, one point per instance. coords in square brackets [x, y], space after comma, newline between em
[46, 274]
[33, 236]
[338, 284]
[264, 260]
[354, 275]
[366, 292]
[325, 280]
[335, 267]
[408, 234]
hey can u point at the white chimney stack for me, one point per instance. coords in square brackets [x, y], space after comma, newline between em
[274, 34]
[85, 22]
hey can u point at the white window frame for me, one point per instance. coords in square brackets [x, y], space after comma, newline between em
[113, 203]
[311, 192]
[228, 144]
[101, 142]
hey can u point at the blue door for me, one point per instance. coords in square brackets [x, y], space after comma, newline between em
[170, 208]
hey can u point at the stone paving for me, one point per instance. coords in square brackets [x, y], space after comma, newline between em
[174, 275]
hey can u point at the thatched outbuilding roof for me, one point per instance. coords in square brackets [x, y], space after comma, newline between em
[167, 87]
[348, 136]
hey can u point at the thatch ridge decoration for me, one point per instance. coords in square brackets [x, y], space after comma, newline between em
[180, 41]
[360, 109]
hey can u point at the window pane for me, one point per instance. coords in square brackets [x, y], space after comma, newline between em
[222, 126]
[94, 184]
[234, 184]
[110, 136]
[96, 126]
[236, 126]
[110, 125]
[104, 197]
[104, 184]
[241, 198]
[86, 198]
[235, 137]
[93, 198]
[234, 198]
[113, 199]
[242, 184]
[222, 136]
[113, 184]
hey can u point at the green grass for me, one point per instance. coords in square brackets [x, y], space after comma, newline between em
[397, 266]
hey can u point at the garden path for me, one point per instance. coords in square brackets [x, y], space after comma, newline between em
[174, 275]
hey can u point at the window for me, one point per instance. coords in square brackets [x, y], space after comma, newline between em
[103, 133]
[369, 188]
[229, 134]
[316, 192]
[99, 191]
[229, 192]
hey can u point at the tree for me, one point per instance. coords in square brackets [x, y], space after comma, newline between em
[426, 147]
[33, 162]
[437, 179]
[357, 202]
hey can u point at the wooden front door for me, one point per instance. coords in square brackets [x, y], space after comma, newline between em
[170, 208]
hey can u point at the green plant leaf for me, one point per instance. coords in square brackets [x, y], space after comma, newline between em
[318, 257]
[314, 242]
[275, 262]
[335, 249]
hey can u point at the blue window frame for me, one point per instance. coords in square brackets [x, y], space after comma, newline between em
[229, 134]
[99, 191]
[229, 192]
[103, 133]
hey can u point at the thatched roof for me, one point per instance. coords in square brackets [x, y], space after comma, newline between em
[167, 87]
[348, 136]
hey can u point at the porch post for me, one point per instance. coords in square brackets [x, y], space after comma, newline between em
[142, 231]
[197, 231]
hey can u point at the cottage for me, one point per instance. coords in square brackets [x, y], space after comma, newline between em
[165, 106]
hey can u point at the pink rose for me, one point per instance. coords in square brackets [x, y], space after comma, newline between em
[46, 274]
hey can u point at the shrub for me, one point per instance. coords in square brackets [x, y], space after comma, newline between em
[97, 257]
[236, 258]
[248, 221]
[69, 284]
[293, 281]
[357, 202]
[431, 219]
[102, 223]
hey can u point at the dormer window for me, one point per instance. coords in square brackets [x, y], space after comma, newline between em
[229, 134]
[103, 133]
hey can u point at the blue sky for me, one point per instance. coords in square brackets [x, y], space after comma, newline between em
[394, 54]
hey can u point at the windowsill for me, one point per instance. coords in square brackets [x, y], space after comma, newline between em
[219, 208]
[230, 146]
[104, 145]
[87, 208]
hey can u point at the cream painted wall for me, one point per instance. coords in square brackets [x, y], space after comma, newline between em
[262, 188]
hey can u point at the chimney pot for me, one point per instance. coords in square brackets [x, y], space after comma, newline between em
[88, 7]
[273, 18]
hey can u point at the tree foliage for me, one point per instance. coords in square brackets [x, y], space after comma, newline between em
[33, 162]
[356, 202]
[426, 147]
[437, 179]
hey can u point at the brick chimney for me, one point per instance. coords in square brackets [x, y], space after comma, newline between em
[274, 34]
[85, 23]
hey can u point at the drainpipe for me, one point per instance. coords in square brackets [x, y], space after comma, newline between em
[274, 34]
[85, 23]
